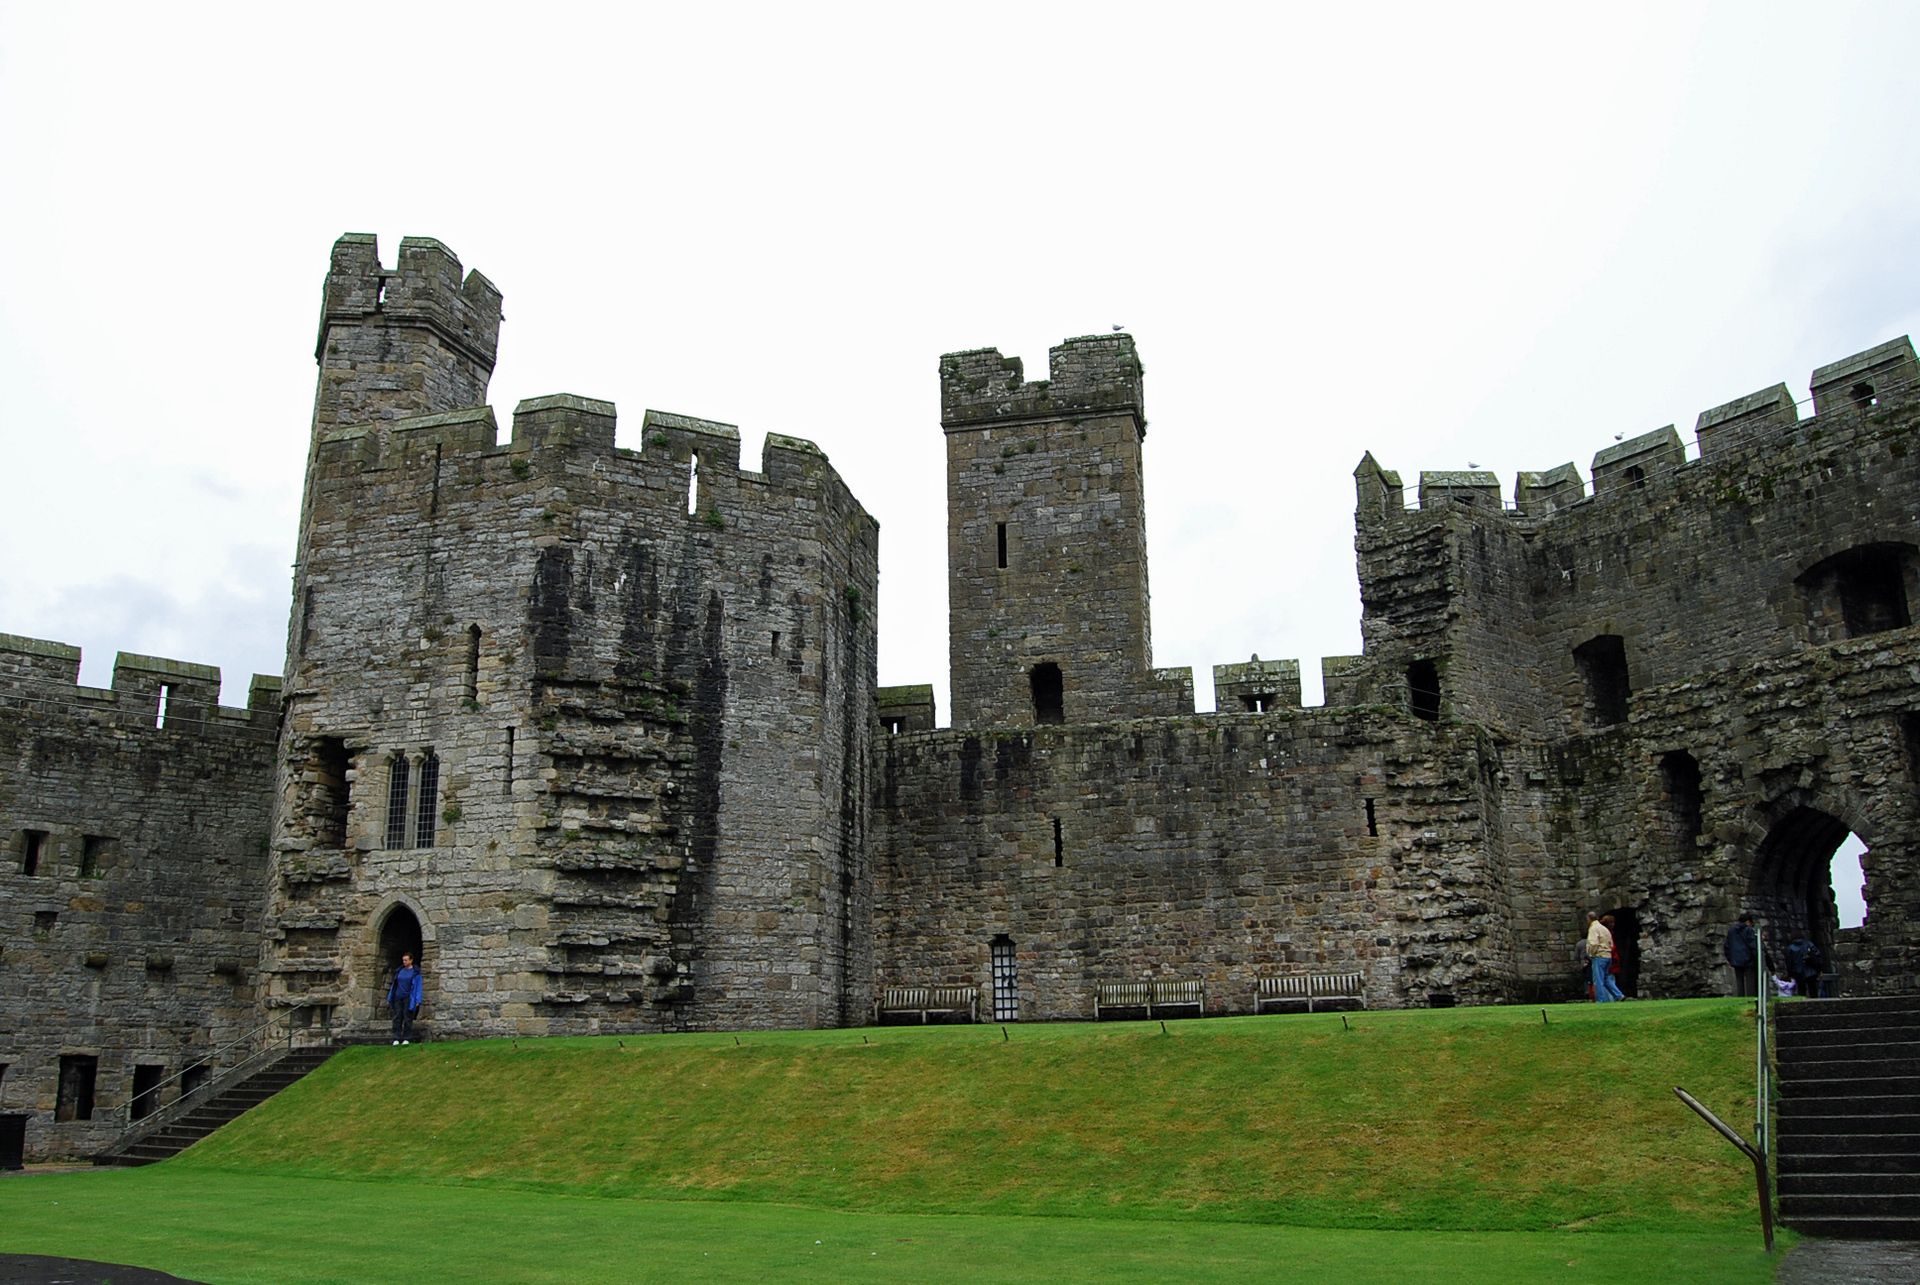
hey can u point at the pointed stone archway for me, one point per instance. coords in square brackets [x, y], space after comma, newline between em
[399, 930]
[1791, 889]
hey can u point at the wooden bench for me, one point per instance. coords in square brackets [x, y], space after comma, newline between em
[1175, 998]
[950, 1003]
[1310, 993]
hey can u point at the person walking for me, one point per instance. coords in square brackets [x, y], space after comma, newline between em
[1600, 952]
[403, 997]
[1742, 951]
[1617, 966]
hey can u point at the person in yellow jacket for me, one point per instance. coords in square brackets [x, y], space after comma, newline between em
[1600, 955]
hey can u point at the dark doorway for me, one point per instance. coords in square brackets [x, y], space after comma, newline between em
[1626, 947]
[77, 1073]
[146, 1089]
[1792, 889]
[399, 935]
[1602, 663]
[194, 1079]
[1423, 690]
[1048, 694]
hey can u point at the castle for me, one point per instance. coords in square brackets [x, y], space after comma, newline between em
[595, 731]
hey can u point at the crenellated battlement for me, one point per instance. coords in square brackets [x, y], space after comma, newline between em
[1867, 384]
[147, 692]
[1093, 374]
[565, 434]
[426, 287]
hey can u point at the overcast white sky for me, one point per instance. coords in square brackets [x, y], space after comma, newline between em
[1445, 233]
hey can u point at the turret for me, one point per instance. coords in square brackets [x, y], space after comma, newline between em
[416, 339]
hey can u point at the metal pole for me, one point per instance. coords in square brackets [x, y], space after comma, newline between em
[1746, 1149]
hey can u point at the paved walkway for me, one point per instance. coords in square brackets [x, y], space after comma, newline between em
[1847, 1262]
[32, 1269]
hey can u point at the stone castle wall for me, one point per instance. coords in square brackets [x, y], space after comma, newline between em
[594, 730]
[133, 828]
[1214, 848]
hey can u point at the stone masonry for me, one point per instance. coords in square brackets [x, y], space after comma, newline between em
[131, 865]
[594, 731]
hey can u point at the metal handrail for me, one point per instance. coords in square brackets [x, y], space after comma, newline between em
[200, 1093]
[1755, 1151]
[1762, 1082]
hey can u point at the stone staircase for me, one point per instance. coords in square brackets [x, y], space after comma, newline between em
[1847, 1133]
[144, 1147]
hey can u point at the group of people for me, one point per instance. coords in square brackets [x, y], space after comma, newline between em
[1796, 970]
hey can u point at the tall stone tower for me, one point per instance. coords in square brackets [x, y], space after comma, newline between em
[587, 727]
[1046, 539]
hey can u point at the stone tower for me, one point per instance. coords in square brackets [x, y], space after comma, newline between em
[1046, 539]
[586, 727]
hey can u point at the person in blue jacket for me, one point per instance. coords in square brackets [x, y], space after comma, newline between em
[403, 997]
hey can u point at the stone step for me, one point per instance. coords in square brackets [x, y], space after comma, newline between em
[1881, 1110]
[1862, 1086]
[1850, 1184]
[1802, 1141]
[1813, 1035]
[1796, 1207]
[1841, 1227]
[1888, 1057]
[1905, 1163]
[1808, 1014]
[1802, 1124]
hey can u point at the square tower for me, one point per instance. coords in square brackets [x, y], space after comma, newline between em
[1046, 538]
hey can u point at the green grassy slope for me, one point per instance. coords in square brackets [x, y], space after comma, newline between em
[1470, 1119]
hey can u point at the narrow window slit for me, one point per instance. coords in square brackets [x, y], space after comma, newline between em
[1003, 545]
[1049, 697]
[1059, 848]
[473, 662]
[1373, 822]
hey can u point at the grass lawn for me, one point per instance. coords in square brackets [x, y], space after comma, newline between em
[1472, 1144]
[228, 1227]
[1482, 1119]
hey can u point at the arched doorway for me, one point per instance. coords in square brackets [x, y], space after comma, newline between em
[399, 935]
[1792, 889]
